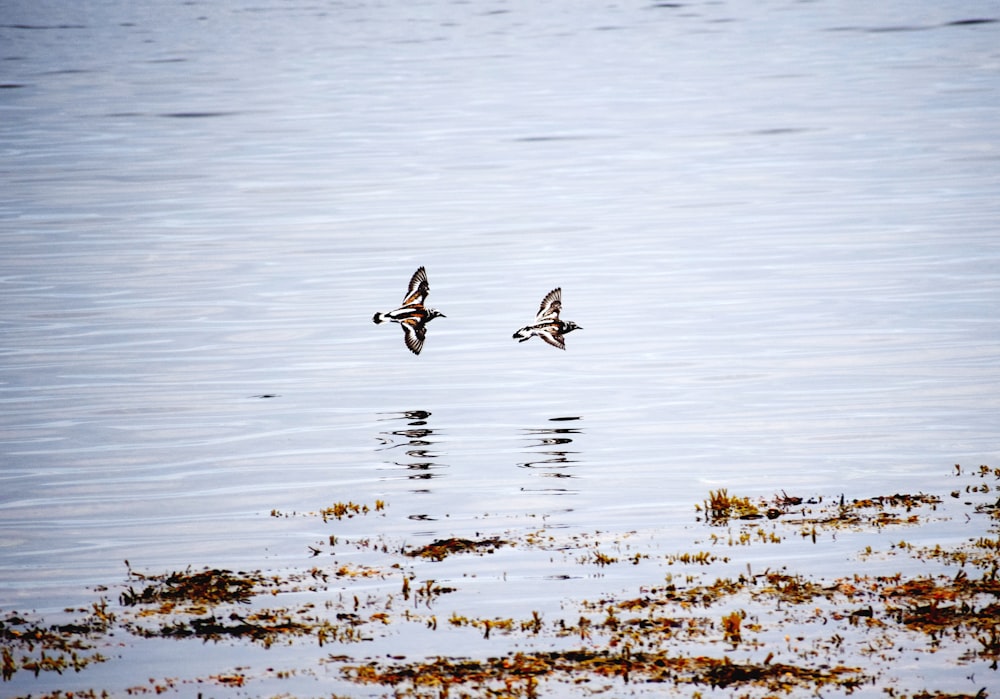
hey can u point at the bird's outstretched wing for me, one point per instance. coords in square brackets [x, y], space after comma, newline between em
[552, 336]
[551, 305]
[414, 332]
[418, 289]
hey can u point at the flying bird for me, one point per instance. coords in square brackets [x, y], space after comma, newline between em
[547, 324]
[412, 315]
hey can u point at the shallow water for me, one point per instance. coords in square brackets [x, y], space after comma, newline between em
[776, 223]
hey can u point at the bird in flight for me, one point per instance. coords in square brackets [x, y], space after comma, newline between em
[412, 315]
[547, 324]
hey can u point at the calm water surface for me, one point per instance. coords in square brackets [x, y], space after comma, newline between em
[777, 223]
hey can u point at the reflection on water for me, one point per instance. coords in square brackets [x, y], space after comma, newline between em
[414, 440]
[549, 450]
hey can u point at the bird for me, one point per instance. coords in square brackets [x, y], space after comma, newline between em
[412, 315]
[547, 324]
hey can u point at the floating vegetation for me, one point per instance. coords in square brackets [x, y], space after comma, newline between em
[338, 510]
[703, 558]
[187, 591]
[32, 646]
[263, 627]
[812, 515]
[721, 507]
[213, 605]
[442, 548]
[721, 623]
[879, 511]
[518, 674]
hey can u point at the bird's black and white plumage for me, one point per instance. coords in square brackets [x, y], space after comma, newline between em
[547, 324]
[412, 315]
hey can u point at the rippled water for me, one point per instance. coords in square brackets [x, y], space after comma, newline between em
[777, 224]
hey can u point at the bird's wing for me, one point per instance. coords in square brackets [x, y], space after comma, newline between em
[414, 332]
[552, 336]
[418, 289]
[551, 305]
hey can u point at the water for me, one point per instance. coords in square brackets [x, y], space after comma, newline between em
[776, 223]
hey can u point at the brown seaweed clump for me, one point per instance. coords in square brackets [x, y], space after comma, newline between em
[442, 548]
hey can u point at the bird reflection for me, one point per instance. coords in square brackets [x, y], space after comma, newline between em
[414, 439]
[551, 444]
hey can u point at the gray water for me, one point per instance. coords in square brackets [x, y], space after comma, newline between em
[778, 224]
